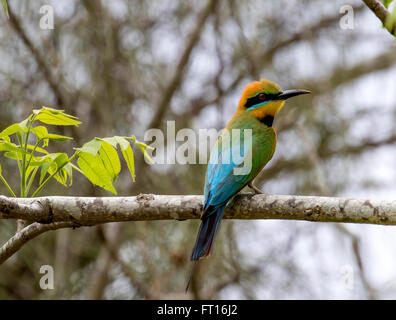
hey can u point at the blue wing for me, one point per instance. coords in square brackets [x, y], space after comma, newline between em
[222, 184]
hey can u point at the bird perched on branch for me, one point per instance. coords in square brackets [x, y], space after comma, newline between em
[244, 148]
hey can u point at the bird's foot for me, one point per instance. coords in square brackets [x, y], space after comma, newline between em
[256, 190]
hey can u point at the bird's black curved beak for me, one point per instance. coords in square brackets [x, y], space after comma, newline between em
[291, 93]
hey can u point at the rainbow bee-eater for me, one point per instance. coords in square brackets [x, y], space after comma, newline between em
[258, 106]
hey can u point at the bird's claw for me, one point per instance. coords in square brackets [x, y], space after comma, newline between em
[256, 190]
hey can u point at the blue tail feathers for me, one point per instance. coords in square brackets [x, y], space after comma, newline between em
[207, 232]
[206, 237]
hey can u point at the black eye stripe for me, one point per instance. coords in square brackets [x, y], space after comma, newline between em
[256, 99]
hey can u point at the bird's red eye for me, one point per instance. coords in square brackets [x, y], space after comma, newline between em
[262, 96]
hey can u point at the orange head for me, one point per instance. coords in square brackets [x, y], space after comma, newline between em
[265, 98]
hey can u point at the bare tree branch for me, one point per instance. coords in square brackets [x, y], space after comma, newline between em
[176, 80]
[307, 33]
[300, 163]
[325, 190]
[42, 65]
[28, 233]
[342, 75]
[100, 273]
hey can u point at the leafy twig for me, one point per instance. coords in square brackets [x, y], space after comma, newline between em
[383, 14]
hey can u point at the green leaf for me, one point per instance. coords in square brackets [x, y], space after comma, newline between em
[55, 117]
[387, 3]
[42, 134]
[91, 147]
[14, 128]
[127, 152]
[5, 7]
[58, 177]
[128, 156]
[40, 131]
[29, 170]
[133, 138]
[52, 110]
[8, 146]
[20, 137]
[50, 164]
[94, 169]
[13, 155]
[124, 143]
[18, 128]
[31, 178]
[142, 146]
[390, 22]
[59, 161]
[23, 124]
[63, 175]
[113, 141]
[5, 138]
[38, 149]
[35, 162]
[57, 137]
[68, 171]
[44, 170]
[110, 159]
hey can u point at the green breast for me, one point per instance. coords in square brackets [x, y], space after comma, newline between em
[263, 140]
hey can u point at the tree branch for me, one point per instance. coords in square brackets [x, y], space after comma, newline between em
[307, 33]
[51, 213]
[41, 64]
[301, 163]
[28, 233]
[178, 77]
[88, 211]
[382, 13]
